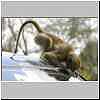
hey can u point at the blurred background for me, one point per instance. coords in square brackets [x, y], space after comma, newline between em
[81, 33]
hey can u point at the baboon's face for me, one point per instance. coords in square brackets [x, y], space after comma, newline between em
[73, 62]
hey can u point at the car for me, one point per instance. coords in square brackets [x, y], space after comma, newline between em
[26, 68]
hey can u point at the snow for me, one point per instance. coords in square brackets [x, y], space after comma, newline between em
[16, 70]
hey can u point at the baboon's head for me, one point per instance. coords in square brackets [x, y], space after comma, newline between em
[73, 61]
